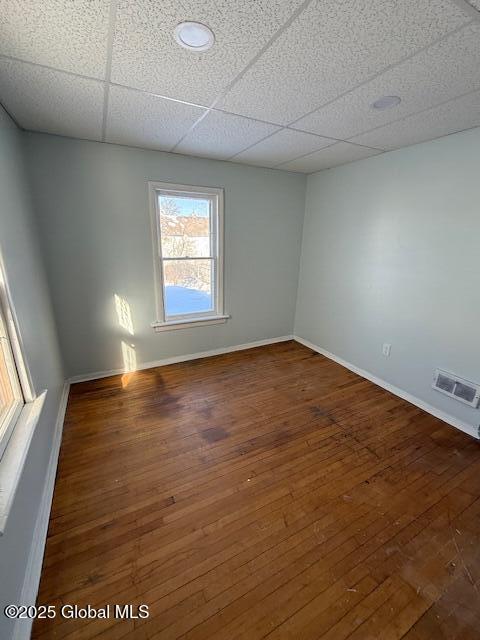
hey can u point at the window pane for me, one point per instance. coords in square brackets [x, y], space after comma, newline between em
[185, 226]
[188, 286]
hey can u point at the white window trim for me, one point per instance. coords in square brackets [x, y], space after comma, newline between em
[15, 455]
[192, 319]
[14, 447]
[16, 343]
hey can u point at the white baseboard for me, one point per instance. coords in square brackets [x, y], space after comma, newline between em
[175, 359]
[31, 581]
[471, 430]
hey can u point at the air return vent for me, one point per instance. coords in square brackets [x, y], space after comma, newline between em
[455, 387]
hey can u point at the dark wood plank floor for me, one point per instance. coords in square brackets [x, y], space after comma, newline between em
[268, 493]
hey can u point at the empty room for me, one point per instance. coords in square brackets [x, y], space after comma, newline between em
[239, 319]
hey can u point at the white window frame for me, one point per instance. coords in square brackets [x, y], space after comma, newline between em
[182, 321]
[19, 425]
[19, 374]
[9, 415]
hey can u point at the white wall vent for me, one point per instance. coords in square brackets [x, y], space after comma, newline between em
[458, 388]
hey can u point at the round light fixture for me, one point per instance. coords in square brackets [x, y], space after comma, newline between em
[194, 36]
[386, 102]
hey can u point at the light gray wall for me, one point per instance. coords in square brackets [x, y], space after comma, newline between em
[25, 273]
[92, 203]
[390, 253]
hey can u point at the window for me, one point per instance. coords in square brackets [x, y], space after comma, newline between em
[11, 396]
[187, 225]
[20, 408]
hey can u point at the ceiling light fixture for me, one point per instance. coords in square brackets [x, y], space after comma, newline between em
[386, 102]
[194, 36]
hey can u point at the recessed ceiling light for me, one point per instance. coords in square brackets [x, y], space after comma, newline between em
[386, 102]
[194, 36]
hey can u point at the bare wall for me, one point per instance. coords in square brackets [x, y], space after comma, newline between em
[391, 255]
[92, 204]
[31, 299]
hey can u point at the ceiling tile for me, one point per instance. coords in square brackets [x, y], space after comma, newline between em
[69, 35]
[146, 56]
[52, 101]
[456, 115]
[222, 135]
[282, 146]
[337, 154]
[142, 120]
[445, 70]
[333, 46]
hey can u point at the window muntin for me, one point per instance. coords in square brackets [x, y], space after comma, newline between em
[188, 223]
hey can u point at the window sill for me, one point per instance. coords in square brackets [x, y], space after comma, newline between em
[15, 454]
[173, 325]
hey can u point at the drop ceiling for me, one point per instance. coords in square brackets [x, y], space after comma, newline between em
[287, 84]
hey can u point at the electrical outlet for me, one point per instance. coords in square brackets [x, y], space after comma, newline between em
[386, 349]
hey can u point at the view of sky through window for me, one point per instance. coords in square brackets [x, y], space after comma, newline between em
[189, 206]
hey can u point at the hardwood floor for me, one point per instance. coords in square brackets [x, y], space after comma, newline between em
[268, 493]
